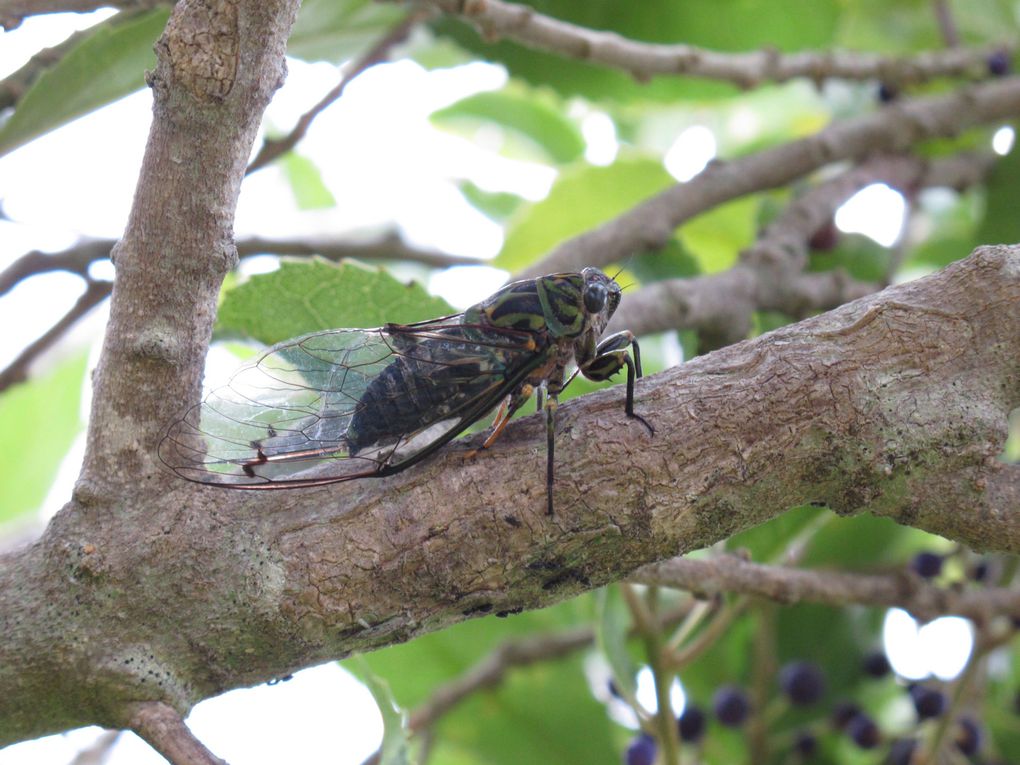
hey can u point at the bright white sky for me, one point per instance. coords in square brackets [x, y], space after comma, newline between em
[383, 162]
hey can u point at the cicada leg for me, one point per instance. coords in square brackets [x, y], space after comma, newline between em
[550, 443]
[610, 357]
[503, 415]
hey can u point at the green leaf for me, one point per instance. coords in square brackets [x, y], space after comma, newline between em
[310, 193]
[860, 256]
[337, 30]
[737, 25]
[536, 118]
[395, 748]
[40, 421]
[716, 237]
[582, 198]
[1001, 224]
[498, 205]
[306, 296]
[108, 64]
[541, 712]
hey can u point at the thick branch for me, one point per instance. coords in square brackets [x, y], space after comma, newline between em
[218, 63]
[893, 129]
[728, 573]
[896, 403]
[495, 19]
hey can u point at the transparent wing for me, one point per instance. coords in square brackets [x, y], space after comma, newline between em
[347, 403]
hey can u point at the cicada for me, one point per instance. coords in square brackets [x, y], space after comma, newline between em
[341, 404]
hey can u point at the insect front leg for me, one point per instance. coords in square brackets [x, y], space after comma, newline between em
[610, 357]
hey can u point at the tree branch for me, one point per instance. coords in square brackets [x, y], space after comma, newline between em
[729, 573]
[276, 147]
[495, 19]
[99, 751]
[770, 274]
[388, 246]
[17, 371]
[893, 129]
[13, 87]
[13, 12]
[165, 731]
[896, 403]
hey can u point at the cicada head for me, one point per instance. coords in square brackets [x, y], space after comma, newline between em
[600, 296]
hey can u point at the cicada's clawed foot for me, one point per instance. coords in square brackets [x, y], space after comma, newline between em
[643, 421]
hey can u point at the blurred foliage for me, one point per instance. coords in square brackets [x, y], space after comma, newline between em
[555, 711]
[40, 421]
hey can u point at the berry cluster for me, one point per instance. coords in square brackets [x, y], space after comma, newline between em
[802, 684]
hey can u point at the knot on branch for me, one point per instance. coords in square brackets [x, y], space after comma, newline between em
[201, 46]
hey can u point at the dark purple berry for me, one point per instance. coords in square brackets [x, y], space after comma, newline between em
[928, 702]
[641, 751]
[731, 706]
[691, 723]
[843, 712]
[863, 731]
[802, 681]
[826, 238]
[887, 92]
[805, 743]
[876, 664]
[998, 63]
[968, 736]
[978, 572]
[927, 565]
[901, 751]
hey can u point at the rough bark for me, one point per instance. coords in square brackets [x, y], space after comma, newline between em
[171, 592]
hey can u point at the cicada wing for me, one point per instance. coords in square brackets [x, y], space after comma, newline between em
[343, 404]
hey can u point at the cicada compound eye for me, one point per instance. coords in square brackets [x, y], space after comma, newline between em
[595, 295]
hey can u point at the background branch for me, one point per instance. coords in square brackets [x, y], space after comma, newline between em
[495, 19]
[379, 52]
[388, 246]
[17, 371]
[12, 12]
[769, 275]
[893, 129]
[729, 573]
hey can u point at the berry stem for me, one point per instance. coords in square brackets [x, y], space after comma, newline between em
[645, 616]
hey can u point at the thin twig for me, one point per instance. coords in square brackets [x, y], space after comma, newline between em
[13, 87]
[389, 246]
[17, 371]
[275, 147]
[165, 731]
[947, 24]
[13, 12]
[99, 751]
[495, 19]
[492, 669]
[727, 573]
